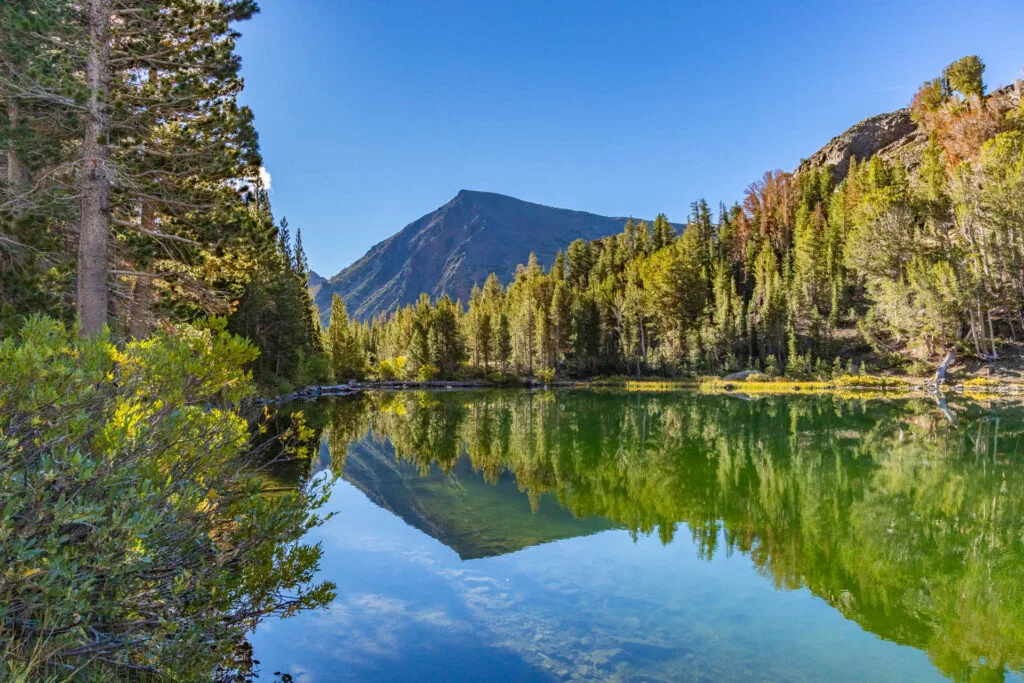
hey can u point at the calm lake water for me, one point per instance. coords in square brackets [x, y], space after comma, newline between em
[576, 535]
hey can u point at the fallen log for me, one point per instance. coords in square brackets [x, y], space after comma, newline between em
[940, 374]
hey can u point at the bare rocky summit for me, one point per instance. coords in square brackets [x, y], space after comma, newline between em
[459, 244]
[865, 139]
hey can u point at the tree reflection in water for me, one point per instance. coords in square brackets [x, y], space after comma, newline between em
[908, 524]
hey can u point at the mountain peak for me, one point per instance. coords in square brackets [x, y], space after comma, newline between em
[458, 245]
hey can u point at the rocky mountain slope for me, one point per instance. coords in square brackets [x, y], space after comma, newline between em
[891, 136]
[459, 244]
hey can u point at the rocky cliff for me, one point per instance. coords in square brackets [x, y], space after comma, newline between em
[891, 136]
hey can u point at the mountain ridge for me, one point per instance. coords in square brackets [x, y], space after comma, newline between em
[455, 246]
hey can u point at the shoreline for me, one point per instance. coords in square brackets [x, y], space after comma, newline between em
[311, 393]
[873, 386]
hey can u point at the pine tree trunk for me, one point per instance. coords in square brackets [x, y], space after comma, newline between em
[974, 334]
[140, 312]
[94, 197]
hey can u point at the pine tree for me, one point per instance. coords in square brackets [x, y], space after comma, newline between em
[664, 233]
[446, 346]
[345, 353]
[503, 341]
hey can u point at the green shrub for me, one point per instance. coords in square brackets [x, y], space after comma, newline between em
[545, 376]
[385, 370]
[427, 372]
[920, 367]
[134, 536]
[314, 368]
[500, 379]
[390, 369]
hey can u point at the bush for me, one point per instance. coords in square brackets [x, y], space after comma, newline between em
[545, 376]
[981, 382]
[873, 381]
[920, 367]
[314, 368]
[385, 370]
[134, 535]
[500, 379]
[389, 369]
[427, 372]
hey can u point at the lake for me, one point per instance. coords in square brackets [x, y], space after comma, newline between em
[583, 535]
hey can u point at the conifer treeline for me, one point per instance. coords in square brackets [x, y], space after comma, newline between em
[907, 262]
[132, 190]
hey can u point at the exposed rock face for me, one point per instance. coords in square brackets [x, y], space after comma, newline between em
[865, 139]
[892, 136]
[459, 244]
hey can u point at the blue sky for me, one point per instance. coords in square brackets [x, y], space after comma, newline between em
[373, 113]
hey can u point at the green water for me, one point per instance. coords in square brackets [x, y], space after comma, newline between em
[601, 536]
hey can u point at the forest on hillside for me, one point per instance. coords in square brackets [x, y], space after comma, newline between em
[808, 275]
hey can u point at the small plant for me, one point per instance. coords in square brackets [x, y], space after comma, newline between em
[501, 379]
[385, 370]
[920, 367]
[427, 372]
[545, 376]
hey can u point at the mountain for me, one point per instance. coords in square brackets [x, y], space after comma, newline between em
[316, 281]
[459, 244]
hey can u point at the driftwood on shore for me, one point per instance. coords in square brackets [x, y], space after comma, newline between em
[314, 392]
[940, 374]
[311, 393]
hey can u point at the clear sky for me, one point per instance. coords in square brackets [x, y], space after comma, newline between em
[372, 113]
